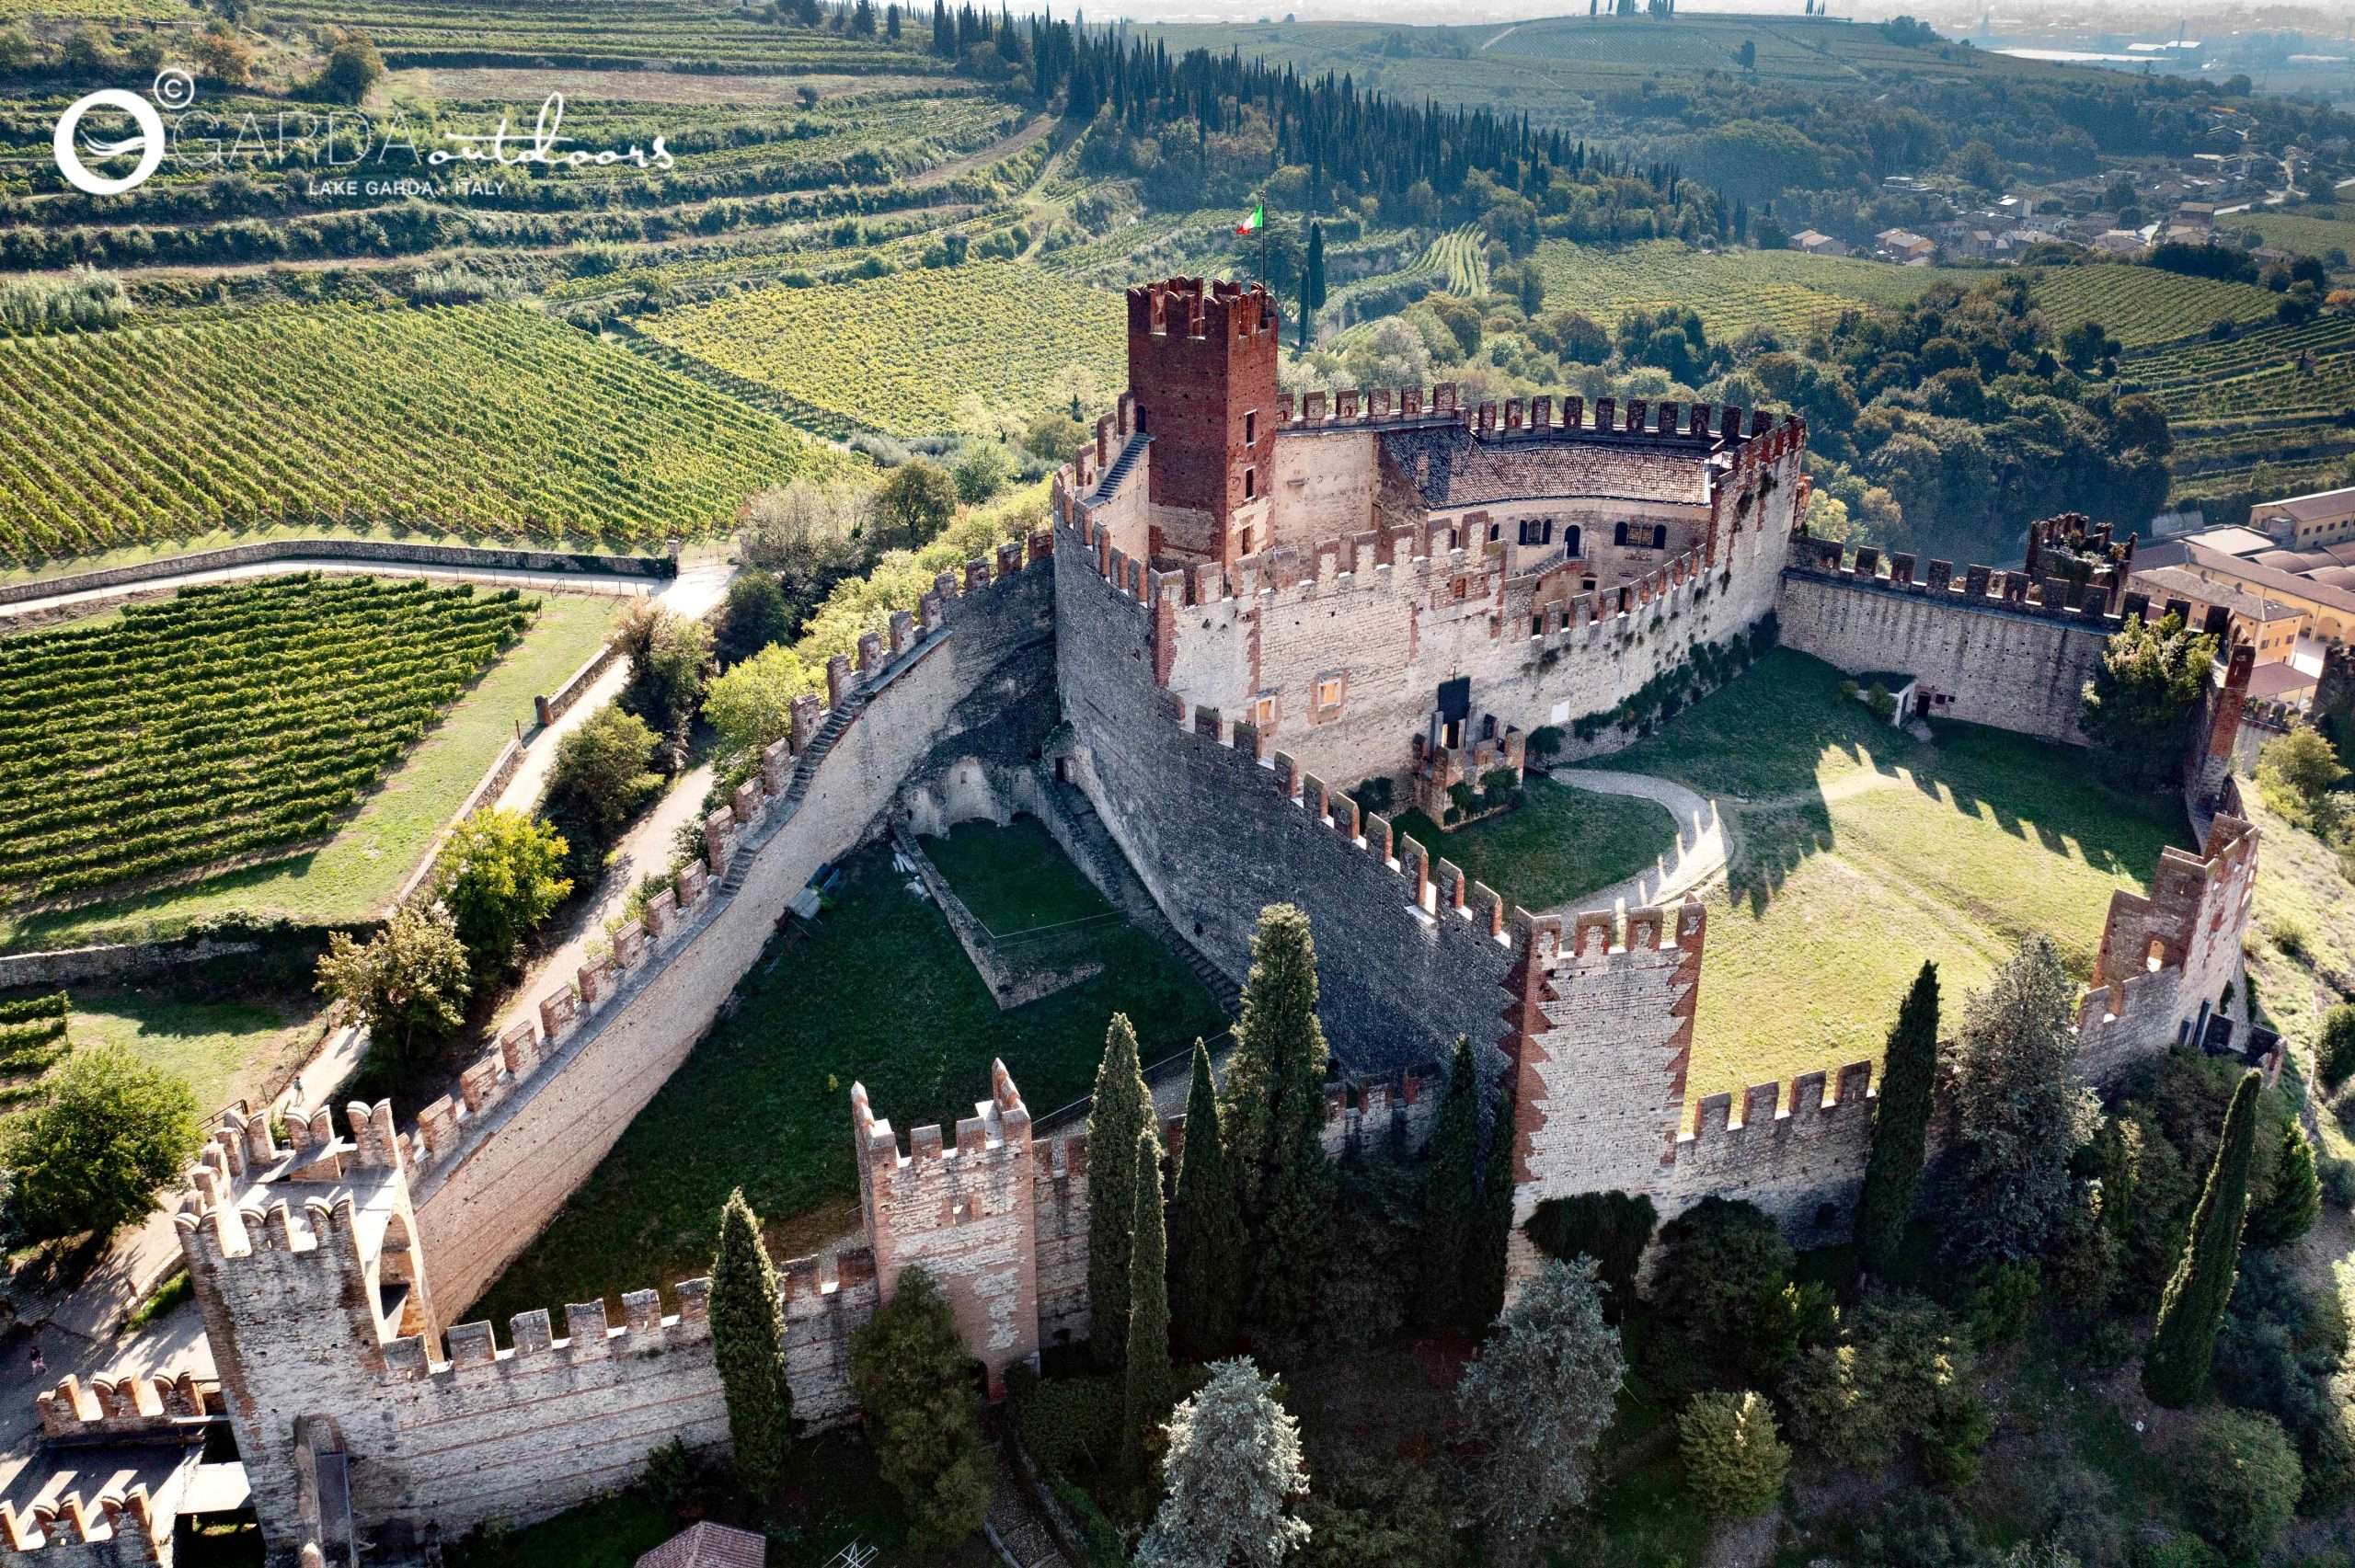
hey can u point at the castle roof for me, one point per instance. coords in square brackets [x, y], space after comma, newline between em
[707, 1545]
[1452, 466]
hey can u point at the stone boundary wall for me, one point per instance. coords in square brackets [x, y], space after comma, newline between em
[557, 703]
[457, 556]
[528, 1121]
[1008, 986]
[1989, 642]
[114, 961]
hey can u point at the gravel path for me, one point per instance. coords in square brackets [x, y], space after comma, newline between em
[1699, 853]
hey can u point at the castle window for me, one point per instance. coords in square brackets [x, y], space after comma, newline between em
[1618, 533]
[1263, 712]
[1251, 427]
[1537, 530]
[1570, 544]
[1496, 531]
[1250, 483]
[1659, 536]
[1327, 692]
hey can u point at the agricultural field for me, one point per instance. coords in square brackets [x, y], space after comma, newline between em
[32, 1040]
[2145, 306]
[2303, 230]
[484, 420]
[657, 34]
[2276, 395]
[899, 353]
[1859, 851]
[368, 853]
[223, 722]
[1781, 292]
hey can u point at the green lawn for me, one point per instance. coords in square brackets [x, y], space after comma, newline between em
[223, 1050]
[351, 877]
[879, 992]
[1858, 852]
[1043, 913]
[1558, 843]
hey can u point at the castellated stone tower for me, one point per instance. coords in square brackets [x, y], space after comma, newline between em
[968, 1214]
[1203, 371]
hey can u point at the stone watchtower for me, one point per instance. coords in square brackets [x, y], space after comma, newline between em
[1203, 369]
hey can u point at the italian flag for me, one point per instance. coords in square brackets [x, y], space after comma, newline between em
[1250, 225]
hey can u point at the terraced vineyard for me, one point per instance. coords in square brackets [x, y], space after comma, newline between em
[222, 722]
[898, 353]
[32, 1040]
[483, 419]
[2275, 395]
[602, 32]
[2145, 306]
[1780, 290]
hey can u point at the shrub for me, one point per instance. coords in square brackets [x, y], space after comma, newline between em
[1902, 1371]
[1612, 1228]
[90, 1156]
[1734, 1460]
[2338, 1181]
[2335, 1045]
[2000, 1306]
[598, 781]
[914, 1379]
[498, 879]
[1719, 1297]
[2239, 1479]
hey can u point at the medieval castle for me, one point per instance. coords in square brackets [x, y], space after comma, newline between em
[1248, 607]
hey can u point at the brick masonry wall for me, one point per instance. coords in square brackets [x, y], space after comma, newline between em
[485, 1200]
[2022, 669]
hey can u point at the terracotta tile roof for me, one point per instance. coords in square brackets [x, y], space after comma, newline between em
[707, 1545]
[1453, 467]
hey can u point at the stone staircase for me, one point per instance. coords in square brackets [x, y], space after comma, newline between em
[805, 768]
[1110, 484]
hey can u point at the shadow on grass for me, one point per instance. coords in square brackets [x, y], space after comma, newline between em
[1771, 742]
[876, 992]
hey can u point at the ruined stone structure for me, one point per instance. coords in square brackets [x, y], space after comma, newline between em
[1258, 617]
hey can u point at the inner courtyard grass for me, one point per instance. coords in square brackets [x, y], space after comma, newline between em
[1036, 903]
[1558, 842]
[1858, 850]
[358, 870]
[876, 992]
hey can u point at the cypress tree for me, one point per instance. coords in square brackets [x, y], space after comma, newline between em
[1123, 1109]
[1145, 1387]
[1274, 1112]
[1451, 1200]
[1900, 1126]
[2175, 1368]
[1486, 1267]
[748, 1343]
[1207, 1261]
[2291, 1209]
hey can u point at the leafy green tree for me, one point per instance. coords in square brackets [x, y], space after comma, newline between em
[1899, 1371]
[1451, 1202]
[1145, 1379]
[1120, 1114]
[352, 70]
[408, 984]
[1540, 1394]
[747, 1344]
[2175, 1367]
[1612, 1227]
[807, 536]
[2240, 1477]
[1234, 1467]
[2139, 705]
[915, 1384]
[756, 615]
[597, 784]
[2294, 1201]
[1900, 1126]
[1734, 1459]
[1207, 1264]
[1273, 1113]
[90, 1154]
[750, 705]
[981, 472]
[669, 664]
[1720, 1297]
[917, 501]
[499, 875]
[2022, 1112]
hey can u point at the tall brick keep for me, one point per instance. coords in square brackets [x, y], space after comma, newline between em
[1202, 368]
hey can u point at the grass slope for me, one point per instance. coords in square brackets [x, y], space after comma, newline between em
[878, 992]
[222, 1049]
[1558, 842]
[350, 876]
[1859, 851]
